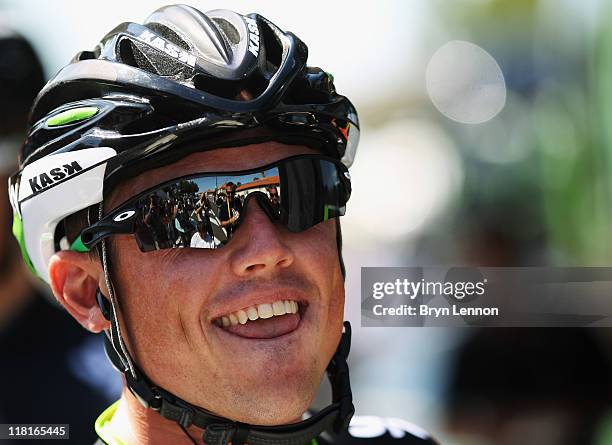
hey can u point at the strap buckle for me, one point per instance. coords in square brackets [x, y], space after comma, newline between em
[144, 392]
[219, 433]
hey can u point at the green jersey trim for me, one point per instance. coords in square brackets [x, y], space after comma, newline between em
[103, 426]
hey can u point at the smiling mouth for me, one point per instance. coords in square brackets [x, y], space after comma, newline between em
[263, 321]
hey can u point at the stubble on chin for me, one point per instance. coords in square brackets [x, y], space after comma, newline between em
[270, 395]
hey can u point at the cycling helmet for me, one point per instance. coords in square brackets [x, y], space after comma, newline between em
[150, 94]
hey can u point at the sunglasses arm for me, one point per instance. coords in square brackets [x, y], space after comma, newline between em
[95, 233]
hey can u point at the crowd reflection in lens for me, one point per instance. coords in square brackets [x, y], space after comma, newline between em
[200, 212]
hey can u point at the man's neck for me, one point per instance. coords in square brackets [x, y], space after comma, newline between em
[137, 425]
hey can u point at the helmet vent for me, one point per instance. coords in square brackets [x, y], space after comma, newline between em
[274, 48]
[242, 90]
[130, 55]
[228, 29]
[148, 59]
[218, 87]
[169, 35]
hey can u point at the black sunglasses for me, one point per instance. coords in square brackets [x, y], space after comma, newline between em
[191, 211]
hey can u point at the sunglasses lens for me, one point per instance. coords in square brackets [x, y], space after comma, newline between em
[315, 193]
[204, 211]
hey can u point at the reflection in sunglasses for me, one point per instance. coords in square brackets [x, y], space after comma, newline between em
[204, 211]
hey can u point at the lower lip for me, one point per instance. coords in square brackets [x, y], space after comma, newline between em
[266, 329]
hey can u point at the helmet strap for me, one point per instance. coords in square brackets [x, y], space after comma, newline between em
[114, 333]
[339, 244]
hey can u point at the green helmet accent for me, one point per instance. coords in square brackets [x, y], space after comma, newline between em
[78, 246]
[18, 233]
[71, 116]
[326, 208]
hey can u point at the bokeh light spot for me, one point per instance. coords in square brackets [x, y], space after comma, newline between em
[465, 83]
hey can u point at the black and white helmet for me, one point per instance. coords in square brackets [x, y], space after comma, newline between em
[149, 94]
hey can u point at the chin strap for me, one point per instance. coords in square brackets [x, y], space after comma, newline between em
[220, 431]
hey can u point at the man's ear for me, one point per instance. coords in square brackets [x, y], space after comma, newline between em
[74, 280]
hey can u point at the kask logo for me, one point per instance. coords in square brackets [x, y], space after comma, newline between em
[168, 48]
[253, 36]
[45, 179]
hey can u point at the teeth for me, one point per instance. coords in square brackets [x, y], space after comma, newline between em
[265, 310]
[291, 306]
[242, 316]
[252, 313]
[278, 307]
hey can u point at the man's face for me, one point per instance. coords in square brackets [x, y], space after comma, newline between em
[170, 299]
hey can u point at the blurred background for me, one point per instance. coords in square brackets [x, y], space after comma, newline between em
[485, 141]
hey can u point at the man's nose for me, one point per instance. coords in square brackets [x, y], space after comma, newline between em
[258, 247]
